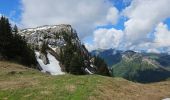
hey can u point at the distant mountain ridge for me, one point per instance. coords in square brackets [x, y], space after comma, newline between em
[141, 67]
[111, 56]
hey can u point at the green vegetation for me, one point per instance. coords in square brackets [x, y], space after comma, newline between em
[135, 69]
[129, 69]
[108, 55]
[74, 57]
[18, 82]
[13, 46]
[101, 66]
[70, 57]
[44, 48]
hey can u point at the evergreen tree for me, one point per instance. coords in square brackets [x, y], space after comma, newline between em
[15, 30]
[76, 64]
[6, 37]
[101, 66]
[71, 58]
[13, 46]
[44, 48]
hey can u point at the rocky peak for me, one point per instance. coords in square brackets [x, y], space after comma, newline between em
[56, 40]
[53, 35]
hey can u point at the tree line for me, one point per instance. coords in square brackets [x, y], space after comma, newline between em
[13, 47]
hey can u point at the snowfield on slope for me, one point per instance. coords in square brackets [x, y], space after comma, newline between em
[53, 67]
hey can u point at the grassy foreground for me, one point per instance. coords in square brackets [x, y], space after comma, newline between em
[20, 83]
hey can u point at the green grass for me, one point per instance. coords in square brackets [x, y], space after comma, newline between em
[39, 86]
[20, 83]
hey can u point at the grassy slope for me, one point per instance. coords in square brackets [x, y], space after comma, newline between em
[20, 83]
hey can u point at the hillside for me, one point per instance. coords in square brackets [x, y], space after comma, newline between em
[136, 67]
[111, 56]
[139, 67]
[21, 83]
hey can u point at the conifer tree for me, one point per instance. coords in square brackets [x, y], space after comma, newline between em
[6, 37]
[15, 30]
[101, 66]
[76, 64]
[13, 46]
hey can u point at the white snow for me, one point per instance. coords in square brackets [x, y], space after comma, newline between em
[91, 66]
[166, 99]
[54, 49]
[53, 67]
[40, 28]
[88, 71]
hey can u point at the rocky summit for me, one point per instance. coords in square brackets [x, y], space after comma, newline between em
[62, 43]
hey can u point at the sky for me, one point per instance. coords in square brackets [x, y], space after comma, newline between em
[100, 24]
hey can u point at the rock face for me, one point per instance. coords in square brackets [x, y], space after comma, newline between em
[53, 35]
[53, 40]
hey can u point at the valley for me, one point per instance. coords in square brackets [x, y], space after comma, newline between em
[135, 66]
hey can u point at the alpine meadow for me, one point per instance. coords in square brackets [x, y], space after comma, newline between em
[84, 50]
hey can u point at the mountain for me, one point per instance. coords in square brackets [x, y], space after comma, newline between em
[59, 46]
[18, 82]
[111, 56]
[139, 67]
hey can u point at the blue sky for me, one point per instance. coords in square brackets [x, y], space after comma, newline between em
[11, 8]
[125, 28]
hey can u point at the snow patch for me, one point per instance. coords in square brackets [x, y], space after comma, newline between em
[88, 71]
[53, 67]
[91, 65]
[53, 48]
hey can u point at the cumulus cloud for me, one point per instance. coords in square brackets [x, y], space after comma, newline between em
[113, 15]
[160, 43]
[153, 50]
[162, 36]
[143, 16]
[106, 38]
[84, 15]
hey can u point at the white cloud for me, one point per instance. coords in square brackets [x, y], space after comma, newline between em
[84, 15]
[143, 16]
[106, 38]
[113, 15]
[153, 50]
[90, 47]
[160, 43]
[162, 36]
